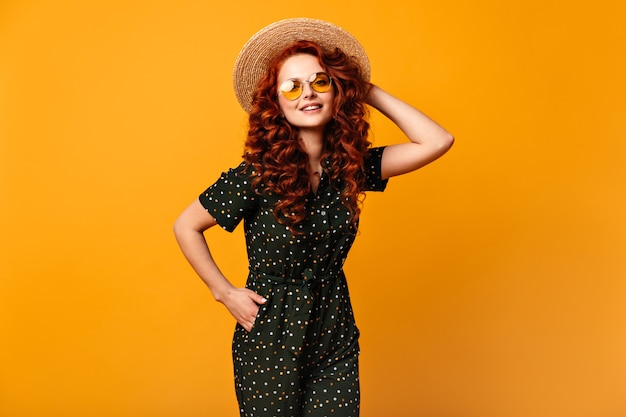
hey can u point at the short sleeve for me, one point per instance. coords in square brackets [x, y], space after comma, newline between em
[373, 170]
[230, 198]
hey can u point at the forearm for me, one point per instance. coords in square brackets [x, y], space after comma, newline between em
[197, 252]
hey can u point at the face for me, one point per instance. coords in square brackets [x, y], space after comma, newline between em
[312, 110]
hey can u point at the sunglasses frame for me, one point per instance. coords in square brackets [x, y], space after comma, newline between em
[300, 85]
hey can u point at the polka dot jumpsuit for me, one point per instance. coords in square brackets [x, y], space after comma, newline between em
[301, 357]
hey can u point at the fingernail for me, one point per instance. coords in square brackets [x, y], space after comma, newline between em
[263, 300]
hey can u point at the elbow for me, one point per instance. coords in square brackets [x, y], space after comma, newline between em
[180, 227]
[447, 140]
[177, 227]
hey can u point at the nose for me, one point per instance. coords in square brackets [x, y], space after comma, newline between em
[307, 91]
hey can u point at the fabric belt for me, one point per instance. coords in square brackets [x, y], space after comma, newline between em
[307, 276]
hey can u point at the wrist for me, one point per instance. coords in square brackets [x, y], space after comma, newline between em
[372, 95]
[220, 293]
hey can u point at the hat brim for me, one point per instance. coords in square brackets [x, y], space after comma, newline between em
[261, 49]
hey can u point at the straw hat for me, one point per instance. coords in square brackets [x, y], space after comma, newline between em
[257, 54]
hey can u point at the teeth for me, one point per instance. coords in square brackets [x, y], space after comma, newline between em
[311, 107]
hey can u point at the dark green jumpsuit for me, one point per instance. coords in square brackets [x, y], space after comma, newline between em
[301, 357]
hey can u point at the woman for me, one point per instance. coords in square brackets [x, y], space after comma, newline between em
[307, 163]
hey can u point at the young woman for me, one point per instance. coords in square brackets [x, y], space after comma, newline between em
[307, 162]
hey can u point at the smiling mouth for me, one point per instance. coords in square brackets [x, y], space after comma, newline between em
[312, 107]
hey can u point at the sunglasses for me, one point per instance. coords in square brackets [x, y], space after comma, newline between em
[292, 89]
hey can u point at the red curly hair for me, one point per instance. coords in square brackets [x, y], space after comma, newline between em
[276, 155]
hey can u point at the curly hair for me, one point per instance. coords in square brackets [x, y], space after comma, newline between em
[276, 155]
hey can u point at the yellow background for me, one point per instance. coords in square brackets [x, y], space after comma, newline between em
[489, 284]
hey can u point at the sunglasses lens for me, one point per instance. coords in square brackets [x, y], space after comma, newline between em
[321, 82]
[291, 89]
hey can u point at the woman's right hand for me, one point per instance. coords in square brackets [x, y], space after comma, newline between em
[244, 305]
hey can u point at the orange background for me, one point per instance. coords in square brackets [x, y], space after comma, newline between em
[489, 284]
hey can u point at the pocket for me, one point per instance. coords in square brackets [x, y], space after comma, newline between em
[261, 315]
[265, 290]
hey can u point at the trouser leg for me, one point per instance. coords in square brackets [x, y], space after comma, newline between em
[267, 384]
[268, 373]
[334, 391]
[331, 356]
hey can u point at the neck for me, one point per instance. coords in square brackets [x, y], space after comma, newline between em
[312, 143]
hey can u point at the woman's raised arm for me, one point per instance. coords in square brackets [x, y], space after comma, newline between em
[428, 140]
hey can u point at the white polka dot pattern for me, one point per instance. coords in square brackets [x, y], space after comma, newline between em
[301, 357]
